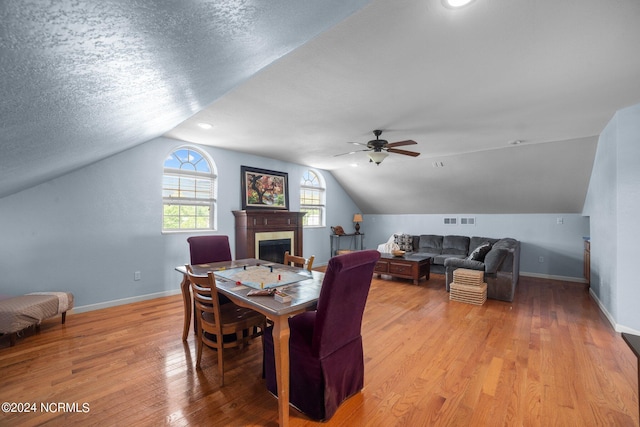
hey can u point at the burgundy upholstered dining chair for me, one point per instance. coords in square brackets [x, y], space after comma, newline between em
[326, 354]
[206, 249]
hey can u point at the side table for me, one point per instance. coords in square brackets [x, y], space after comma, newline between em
[356, 242]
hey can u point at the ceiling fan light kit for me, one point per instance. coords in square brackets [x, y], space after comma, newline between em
[378, 149]
[455, 4]
[377, 157]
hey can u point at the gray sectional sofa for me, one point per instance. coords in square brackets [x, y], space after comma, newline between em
[498, 258]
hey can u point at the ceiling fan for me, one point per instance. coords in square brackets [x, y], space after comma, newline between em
[379, 149]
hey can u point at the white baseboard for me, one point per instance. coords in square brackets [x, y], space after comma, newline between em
[123, 301]
[554, 277]
[603, 309]
[616, 326]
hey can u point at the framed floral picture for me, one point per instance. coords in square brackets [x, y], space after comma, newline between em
[264, 189]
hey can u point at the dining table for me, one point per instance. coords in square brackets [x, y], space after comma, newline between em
[302, 286]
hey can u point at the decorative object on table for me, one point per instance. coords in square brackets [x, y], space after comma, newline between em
[338, 230]
[357, 218]
[398, 252]
[264, 189]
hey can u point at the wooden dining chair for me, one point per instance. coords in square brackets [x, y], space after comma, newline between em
[298, 261]
[215, 321]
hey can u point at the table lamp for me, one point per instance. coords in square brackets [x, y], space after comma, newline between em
[357, 218]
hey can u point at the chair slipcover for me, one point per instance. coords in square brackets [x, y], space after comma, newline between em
[326, 354]
[206, 249]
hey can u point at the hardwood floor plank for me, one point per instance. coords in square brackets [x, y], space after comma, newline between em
[549, 358]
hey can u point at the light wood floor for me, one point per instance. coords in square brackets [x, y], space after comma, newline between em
[550, 358]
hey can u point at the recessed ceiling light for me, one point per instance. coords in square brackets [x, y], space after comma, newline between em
[455, 4]
[515, 142]
[205, 126]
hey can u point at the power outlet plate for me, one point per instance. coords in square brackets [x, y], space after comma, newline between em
[137, 276]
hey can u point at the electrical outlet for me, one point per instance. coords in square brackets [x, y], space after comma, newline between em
[541, 259]
[559, 220]
[136, 276]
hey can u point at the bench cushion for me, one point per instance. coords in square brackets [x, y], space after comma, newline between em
[18, 313]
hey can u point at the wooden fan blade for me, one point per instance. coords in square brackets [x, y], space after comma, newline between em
[401, 143]
[405, 152]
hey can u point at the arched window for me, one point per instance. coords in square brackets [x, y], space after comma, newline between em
[312, 199]
[189, 191]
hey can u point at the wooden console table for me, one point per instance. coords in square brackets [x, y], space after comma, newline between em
[356, 242]
[408, 266]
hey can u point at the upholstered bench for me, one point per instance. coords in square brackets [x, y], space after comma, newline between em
[21, 312]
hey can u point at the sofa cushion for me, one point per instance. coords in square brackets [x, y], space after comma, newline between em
[506, 243]
[440, 259]
[455, 245]
[480, 252]
[463, 263]
[404, 241]
[494, 258]
[430, 243]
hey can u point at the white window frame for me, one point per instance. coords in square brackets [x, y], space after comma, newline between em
[320, 189]
[209, 201]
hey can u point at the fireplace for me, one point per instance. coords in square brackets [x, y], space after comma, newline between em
[273, 250]
[260, 231]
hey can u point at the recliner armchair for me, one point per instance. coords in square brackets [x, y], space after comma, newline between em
[326, 353]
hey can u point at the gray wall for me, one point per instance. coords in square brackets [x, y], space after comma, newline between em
[541, 235]
[88, 231]
[613, 202]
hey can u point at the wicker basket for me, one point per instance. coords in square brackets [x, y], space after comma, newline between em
[470, 294]
[465, 276]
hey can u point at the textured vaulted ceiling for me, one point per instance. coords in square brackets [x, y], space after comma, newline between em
[82, 80]
[298, 80]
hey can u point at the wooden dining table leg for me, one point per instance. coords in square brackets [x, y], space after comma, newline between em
[281, 334]
[186, 300]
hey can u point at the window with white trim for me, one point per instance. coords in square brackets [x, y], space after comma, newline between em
[189, 190]
[312, 199]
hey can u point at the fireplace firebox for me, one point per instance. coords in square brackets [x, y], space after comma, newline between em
[273, 250]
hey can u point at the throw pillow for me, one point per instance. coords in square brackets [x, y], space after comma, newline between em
[404, 241]
[480, 252]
